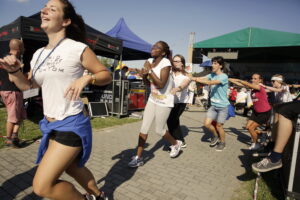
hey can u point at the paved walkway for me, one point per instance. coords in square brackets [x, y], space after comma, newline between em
[198, 173]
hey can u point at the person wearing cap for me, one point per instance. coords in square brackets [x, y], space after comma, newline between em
[12, 98]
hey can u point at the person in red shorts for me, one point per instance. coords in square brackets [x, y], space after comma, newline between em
[12, 98]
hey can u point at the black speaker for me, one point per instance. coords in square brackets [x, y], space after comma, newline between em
[197, 56]
[120, 97]
[97, 109]
[291, 165]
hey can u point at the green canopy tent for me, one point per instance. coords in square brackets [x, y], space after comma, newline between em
[256, 50]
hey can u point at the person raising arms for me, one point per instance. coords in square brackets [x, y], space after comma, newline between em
[156, 72]
[218, 110]
[67, 134]
[181, 93]
[261, 107]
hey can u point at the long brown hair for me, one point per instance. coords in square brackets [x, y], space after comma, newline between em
[76, 30]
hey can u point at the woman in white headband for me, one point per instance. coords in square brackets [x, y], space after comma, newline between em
[280, 89]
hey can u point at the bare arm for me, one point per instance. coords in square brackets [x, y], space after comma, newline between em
[100, 74]
[12, 65]
[164, 76]
[182, 86]
[245, 83]
[271, 89]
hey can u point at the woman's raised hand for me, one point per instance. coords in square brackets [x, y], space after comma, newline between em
[10, 63]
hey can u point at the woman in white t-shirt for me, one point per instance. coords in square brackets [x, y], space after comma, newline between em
[181, 93]
[156, 72]
[280, 89]
[58, 69]
[282, 95]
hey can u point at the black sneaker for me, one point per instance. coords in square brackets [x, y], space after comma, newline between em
[220, 146]
[16, 143]
[266, 165]
[214, 140]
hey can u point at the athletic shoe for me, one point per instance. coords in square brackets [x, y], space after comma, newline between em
[254, 146]
[93, 197]
[214, 140]
[135, 162]
[266, 165]
[175, 149]
[220, 146]
[183, 145]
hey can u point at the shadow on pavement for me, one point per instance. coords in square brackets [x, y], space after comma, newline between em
[120, 172]
[20, 182]
[242, 137]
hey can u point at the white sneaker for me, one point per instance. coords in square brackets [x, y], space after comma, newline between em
[254, 146]
[175, 149]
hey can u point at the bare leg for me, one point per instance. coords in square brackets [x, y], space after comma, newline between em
[141, 144]
[221, 132]
[84, 177]
[167, 136]
[16, 129]
[210, 127]
[285, 128]
[251, 127]
[56, 160]
[9, 129]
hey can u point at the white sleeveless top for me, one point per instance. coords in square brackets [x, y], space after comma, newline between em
[59, 70]
[162, 97]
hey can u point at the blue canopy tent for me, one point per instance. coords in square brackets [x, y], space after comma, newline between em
[134, 48]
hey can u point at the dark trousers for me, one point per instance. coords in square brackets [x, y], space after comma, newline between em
[173, 121]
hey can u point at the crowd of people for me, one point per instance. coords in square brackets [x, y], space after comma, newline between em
[67, 135]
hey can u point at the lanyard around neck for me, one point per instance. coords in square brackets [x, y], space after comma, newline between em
[45, 58]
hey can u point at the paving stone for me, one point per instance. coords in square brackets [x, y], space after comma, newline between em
[198, 173]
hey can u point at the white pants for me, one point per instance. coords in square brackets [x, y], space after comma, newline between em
[160, 114]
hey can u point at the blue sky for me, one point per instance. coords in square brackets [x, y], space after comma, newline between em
[173, 20]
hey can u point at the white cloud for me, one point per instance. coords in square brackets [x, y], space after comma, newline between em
[22, 1]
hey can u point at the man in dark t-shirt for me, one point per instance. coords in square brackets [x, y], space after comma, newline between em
[12, 98]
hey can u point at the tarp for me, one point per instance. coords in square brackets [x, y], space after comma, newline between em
[134, 48]
[28, 28]
[251, 37]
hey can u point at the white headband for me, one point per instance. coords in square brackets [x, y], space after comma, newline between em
[276, 79]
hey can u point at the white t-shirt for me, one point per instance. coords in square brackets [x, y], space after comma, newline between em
[59, 70]
[283, 96]
[182, 96]
[162, 97]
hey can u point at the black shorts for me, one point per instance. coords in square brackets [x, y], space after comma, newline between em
[67, 138]
[290, 110]
[260, 118]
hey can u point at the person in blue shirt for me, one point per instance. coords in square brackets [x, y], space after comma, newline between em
[218, 111]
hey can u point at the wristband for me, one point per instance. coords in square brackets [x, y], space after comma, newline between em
[15, 71]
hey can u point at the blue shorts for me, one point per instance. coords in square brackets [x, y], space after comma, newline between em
[217, 114]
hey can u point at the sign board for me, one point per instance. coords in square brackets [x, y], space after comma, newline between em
[225, 55]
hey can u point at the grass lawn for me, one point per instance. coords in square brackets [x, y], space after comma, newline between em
[269, 187]
[29, 130]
